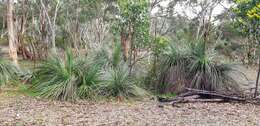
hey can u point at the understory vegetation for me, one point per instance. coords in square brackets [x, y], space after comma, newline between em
[8, 72]
[192, 66]
[83, 77]
[73, 50]
[71, 77]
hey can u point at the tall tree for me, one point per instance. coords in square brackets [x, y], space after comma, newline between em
[248, 19]
[11, 31]
[52, 22]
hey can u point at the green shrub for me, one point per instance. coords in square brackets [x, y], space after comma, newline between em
[192, 67]
[206, 74]
[172, 69]
[118, 83]
[73, 78]
[91, 78]
[66, 79]
[8, 72]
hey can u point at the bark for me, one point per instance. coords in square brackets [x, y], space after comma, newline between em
[3, 25]
[42, 50]
[52, 23]
[11, 32]
[126, 42]
[125, 45]
[257, 80]
[76, 34]
[43, 26]
[21, 45]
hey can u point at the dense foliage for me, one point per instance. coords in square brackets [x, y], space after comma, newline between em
[8, 72]
[66, 79]
[192, 67]
[85, 49]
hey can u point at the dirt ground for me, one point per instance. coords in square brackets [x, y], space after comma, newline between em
[19, 110]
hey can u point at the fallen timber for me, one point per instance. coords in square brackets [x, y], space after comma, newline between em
[195, 95]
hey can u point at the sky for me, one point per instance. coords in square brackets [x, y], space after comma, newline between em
[182, 9]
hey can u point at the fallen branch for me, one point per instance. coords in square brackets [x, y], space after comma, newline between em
[196, 95]
[198, 100]
[215, 95]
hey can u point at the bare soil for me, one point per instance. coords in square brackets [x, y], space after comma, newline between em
[19, 110]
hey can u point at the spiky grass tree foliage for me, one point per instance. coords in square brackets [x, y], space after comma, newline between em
[7, 72]
[118, 83]
[116, 80]
[25, 75]
[88, 88]
[192, 67]
[66, 79]
[173, 68]
[206, 74]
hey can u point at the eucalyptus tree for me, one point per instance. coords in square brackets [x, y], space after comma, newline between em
[11, 31]
[52, 20]
[2, 18]
[247, 19]
[132, 27]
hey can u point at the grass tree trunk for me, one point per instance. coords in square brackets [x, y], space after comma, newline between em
[11, 32]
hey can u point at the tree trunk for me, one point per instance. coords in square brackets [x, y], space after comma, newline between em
[52, 23]
[3, 24]
[20, 36]
[125, 45]
[11, 32]
[257, 80]
[76, 34]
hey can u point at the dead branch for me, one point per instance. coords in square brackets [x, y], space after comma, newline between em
[198, 100]
[215, 95]
[196, 95]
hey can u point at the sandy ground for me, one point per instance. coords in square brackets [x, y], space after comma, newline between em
[22, 110]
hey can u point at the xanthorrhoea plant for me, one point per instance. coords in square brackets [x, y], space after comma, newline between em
[8, 72]
[66, 79]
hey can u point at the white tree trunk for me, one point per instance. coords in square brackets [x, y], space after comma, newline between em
[52, 23]
[11, 32]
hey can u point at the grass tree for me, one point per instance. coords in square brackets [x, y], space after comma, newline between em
[118, 83]
[193, 67]
[66, 78]
[117, 80]
[8, 72]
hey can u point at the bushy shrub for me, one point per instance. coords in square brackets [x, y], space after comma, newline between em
[118, 83]
[116, 78]
[207, 74]
[73, 78]
[192, 67]
[66, 79]
[172, 68]
[8, 72]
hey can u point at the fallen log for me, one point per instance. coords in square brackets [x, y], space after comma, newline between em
[202, 95]
[196, 95]
[198, 100]
[215, 95]
[186, 94]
